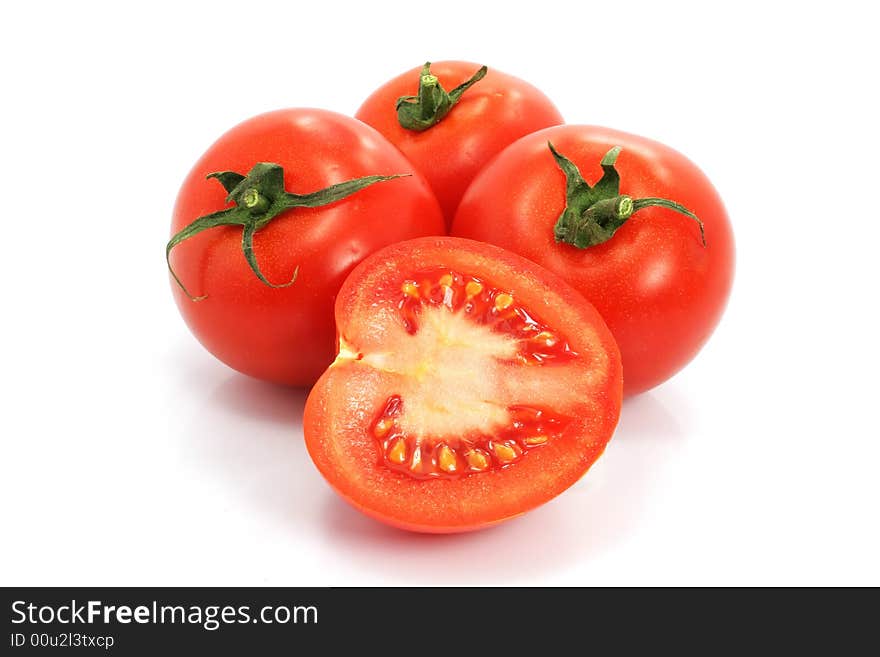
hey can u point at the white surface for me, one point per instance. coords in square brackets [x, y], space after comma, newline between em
[131, 457]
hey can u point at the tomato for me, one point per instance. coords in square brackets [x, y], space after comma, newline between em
[240, 302]
[471, 385]
[660, 287]
[461, 135]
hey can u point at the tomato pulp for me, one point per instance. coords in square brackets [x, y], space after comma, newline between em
[471, 385]
[660, 287]
[286, 334]
[496, 111]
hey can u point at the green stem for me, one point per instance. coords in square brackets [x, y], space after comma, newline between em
[638, 204]
[432, 102]
[593, 214]
[259, 198]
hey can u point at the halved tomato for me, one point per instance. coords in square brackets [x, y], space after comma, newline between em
[471, 385]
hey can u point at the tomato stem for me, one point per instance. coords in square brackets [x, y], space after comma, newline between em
[593, 214]
[259, 198]
[432, 103]
[254, 201]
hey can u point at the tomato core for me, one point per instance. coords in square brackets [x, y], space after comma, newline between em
[445, 428]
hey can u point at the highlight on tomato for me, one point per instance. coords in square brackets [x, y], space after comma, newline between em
[450, 118]
[268, 224]
[630, 223]
[471, 385]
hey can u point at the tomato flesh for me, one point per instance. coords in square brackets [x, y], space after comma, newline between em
[471, 385]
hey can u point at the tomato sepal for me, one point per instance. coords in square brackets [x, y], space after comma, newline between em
[593, 214]
[258, 198]
[433, 102]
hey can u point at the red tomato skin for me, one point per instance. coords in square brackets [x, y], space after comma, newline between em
[659, 290]
[346, 398]
[287, 335]
[495, 112]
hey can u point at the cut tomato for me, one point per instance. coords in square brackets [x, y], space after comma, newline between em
[471, 385]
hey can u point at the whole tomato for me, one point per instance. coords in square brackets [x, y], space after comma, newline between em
[450, 135]
[313, 193]
[632, 224]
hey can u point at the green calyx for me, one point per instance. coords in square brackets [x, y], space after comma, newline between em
[593, 214]
[259, 197]
[433, 102]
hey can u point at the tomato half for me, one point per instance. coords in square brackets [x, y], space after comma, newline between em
[286, 333]
[471, 385]
[659, 287]
[491, 114]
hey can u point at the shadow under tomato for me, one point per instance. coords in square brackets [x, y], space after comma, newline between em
[596, 514]
[261, 401]
[248, 434]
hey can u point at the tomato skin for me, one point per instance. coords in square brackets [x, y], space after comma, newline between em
[660, 291]
[495, 112]
[287, 335]
[343, 402]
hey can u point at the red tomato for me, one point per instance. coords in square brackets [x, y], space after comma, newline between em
[497, 110]
[471, 385]
[286, 334]
[658, 287]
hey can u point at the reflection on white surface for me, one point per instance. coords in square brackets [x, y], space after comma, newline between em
[251, 443]
[593, 516]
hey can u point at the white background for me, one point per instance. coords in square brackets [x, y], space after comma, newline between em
[130, 456]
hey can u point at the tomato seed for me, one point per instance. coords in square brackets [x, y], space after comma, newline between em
[504, 453]
[472, 289]
[410, 289]
[503, 301]
[446, 459]
[397, 453]
[477, 460]
[383, 426]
